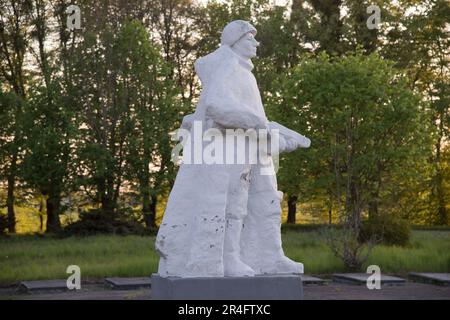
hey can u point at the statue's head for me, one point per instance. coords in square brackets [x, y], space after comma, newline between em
[239, 35]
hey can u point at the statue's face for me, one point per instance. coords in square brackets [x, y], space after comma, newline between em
[246, 46]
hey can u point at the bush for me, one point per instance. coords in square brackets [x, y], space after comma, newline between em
[288, 227]
[3, 224]
[95, 221]
[388, 229]
[343, 241]
[313, 227]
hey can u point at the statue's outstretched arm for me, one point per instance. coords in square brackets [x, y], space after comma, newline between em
[289, 139]
[234, 117]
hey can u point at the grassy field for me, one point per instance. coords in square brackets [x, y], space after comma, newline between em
[27, 257]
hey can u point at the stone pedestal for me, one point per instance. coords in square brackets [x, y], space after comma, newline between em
[267, 287]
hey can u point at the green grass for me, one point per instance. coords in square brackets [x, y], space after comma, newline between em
[26, 257]
[32, 258]
[429, 251]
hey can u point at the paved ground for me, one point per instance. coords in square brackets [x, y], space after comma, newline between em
[408, 291]
[87, 292]
[330, 291]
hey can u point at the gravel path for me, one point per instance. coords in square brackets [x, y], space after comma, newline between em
[329, 291]
[408, 291]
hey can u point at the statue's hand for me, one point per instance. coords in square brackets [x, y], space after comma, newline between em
[296, 140]
[291, 145]
[287, 144]
[284, 145]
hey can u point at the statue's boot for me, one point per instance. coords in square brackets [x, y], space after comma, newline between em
[233, 265]
[282, 265]
[261, 238]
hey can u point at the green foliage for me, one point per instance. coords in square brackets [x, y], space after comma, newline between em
[426, 34]
[128, 113]
[290, 227]
[388, 229]
[362, 119]
[23, 257]
[87, 114]
[10, 119]
[94, 221]
[48, 130]
[3, 224]
[365, 125]
[345, 245]
[47, 257]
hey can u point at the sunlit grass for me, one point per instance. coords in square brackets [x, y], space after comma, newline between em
[429, 251]
[26, 257]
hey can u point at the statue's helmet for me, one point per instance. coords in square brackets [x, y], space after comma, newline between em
[234, 30]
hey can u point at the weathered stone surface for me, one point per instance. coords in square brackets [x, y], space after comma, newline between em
[430, 277]
[306, 279]
[223, 213]
[361, 278]
[128, 283]
[275, 287]
[43, 285]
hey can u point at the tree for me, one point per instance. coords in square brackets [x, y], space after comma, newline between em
[424, 32]
[9, 103]
[170, 26]
[320, 24]
[50, 122]
[364, 124]
[150, 96]
[50, 132]
[14, 37]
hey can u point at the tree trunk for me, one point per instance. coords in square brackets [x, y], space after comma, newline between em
[41, 218]
[292, 209]
[375, 193]
[108, 205]
[10, 196]
[330, 213]
[353, 205]
[149, 209]
[153, 210]
[373, 206]
[442, 210]
[442, 218]
[352, 201]
[53, 211]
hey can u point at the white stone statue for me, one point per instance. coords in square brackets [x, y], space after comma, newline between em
[224, 219]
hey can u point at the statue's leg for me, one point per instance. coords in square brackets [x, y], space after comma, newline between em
[236, 210]
[261, 240]
[191, 236]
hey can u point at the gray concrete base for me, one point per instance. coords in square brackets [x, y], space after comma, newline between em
[43, 285]
[306, 279]
[128, 283]
[267, 287]
[442, 279]
[361, 278]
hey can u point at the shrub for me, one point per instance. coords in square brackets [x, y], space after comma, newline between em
[388, 229]
[344, 243]
[3, 224]
[95, 221]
